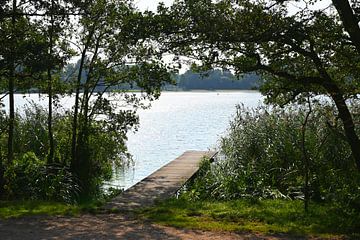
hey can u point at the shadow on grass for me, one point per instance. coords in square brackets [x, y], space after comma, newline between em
[266, 217]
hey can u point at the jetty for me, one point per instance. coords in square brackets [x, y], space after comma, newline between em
[161, 184]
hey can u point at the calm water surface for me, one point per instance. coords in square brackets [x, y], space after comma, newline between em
[177, 122]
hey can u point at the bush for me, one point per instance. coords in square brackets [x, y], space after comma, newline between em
[29, 178]
[261, 157]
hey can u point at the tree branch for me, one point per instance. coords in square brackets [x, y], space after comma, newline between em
[349, 20]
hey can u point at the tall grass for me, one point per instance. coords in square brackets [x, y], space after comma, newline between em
[31, 177]
[262, 157]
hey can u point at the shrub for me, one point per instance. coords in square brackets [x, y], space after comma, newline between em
[29, 178]
[261, 157]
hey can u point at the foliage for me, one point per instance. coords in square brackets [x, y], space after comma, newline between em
[29, 178]
[3, 130]
[297, 54]
[113, 50]
[39, 38]
[262, 158]
[261, 216]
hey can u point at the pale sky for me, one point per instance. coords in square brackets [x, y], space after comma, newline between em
[150, 5]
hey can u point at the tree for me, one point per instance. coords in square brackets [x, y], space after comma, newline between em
[349, 16]
[110, 39]
[113, 50]
[57, 54]
[54, 23]
[312, 51]
[22, 47]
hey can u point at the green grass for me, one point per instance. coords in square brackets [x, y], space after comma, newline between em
[265, 217]
[17, 208]
[13, 209]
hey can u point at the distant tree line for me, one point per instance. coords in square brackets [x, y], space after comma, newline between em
[216, 79]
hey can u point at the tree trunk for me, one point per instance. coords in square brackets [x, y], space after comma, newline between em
[50, 93]
[2, 182]
[10, 156]
[350, 22]
[74, 163]
[306, 158]
[50, 120]
[82, 150]
[349, 126]
[76, 113]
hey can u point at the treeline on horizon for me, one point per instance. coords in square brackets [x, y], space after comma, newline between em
[217, 79]
[214, 79]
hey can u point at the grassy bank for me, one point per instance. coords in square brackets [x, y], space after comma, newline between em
[258, 216]
[13, 209]
[263, 216]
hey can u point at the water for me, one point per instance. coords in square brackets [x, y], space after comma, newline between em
[177, 122]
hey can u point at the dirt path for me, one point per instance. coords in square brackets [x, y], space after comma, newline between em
[106, 226]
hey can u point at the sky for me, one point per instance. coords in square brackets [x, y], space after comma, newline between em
[151, 4]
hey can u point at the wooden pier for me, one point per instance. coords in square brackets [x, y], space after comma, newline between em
[162, 184]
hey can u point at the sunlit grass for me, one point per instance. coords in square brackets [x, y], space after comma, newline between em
[28, 208]
[13, 209]
[266, 217]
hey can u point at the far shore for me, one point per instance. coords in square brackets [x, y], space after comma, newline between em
[163, 91]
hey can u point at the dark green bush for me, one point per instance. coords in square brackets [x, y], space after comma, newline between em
[261, 157]
[29, 178]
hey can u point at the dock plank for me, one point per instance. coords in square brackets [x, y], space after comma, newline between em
[161, 184]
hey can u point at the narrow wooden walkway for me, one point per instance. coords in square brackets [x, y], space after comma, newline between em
[161, 184]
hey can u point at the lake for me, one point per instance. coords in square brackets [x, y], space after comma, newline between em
[177, 122]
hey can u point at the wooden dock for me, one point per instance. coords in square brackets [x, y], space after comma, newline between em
[162, 184]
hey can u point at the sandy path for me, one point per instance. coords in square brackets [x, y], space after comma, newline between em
[106, 226]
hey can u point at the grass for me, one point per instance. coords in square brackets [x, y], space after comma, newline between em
[13, 209]
[265, 217]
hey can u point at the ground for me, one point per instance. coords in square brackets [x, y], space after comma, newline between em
[106, 226]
